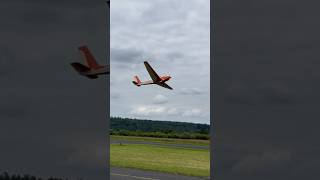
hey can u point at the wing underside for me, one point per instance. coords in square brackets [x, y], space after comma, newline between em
[165, 85]
[154, 76]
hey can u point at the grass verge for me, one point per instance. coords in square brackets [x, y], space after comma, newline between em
[183, 161]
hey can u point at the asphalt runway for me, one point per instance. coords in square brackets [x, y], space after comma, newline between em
[162, 144]
[134, 174]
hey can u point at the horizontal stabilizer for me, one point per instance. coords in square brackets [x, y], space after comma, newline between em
[136, 81]
[79, 67]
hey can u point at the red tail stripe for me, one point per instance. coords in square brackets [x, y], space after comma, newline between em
[137, 79]
[91, 61]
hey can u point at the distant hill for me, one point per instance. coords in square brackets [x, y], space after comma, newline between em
[128, 124]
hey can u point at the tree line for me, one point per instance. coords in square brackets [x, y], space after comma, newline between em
[161, 129]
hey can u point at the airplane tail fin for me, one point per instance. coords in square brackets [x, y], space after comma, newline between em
[136, 81]
[91, 61]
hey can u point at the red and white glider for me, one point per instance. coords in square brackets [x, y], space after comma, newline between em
[156, 79]
[93, 69]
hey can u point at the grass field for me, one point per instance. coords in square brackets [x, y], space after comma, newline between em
[184, 161]
[196, 142]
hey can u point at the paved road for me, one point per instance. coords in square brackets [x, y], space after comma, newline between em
[134, 174]
[161, 144]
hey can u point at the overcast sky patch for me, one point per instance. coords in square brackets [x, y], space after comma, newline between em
[174, 38]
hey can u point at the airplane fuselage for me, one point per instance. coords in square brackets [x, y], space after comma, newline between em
[163, 80]
[98, 71]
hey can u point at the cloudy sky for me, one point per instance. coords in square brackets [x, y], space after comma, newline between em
[175, 38]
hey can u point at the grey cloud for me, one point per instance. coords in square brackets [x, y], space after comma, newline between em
[162, 110]
[160, 99]
[126, 55]
[163, 12]
[162, 32]
[173, 56]
[192, 112]
[115, 95]
[148, 110]
[191, 91]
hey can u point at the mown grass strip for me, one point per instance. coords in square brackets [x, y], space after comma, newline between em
[196, 142]
[183, 161]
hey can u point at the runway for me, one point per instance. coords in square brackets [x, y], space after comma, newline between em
[134, 174]
[161, 144]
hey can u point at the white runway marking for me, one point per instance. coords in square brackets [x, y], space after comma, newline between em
[137, 177]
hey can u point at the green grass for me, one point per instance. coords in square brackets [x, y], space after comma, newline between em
[183, 161]
[196, 142]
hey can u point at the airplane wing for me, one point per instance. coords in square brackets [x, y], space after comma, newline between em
[165, 86]
[154, 76]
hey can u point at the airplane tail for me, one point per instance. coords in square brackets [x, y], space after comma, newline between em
[91, 61]
[80, 68]
[136, 81]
